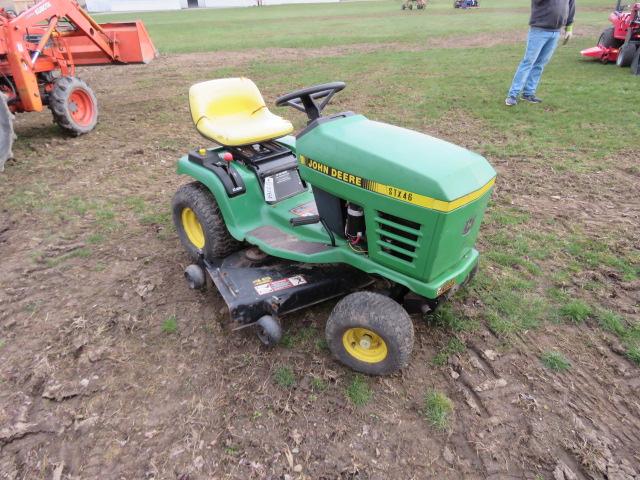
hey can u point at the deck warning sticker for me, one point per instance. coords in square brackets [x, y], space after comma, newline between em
[269, 190]
[282, 284]
[305, 210]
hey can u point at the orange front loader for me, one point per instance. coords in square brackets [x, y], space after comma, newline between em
[39, 51]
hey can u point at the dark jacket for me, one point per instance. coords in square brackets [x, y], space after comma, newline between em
[552, 14]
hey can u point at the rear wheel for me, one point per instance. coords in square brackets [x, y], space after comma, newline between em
[625, 55]
[200, 224]
[6, 131]
[73, 105]
[608, 40]
[370, 333]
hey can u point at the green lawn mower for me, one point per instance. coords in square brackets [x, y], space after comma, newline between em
[382, 216]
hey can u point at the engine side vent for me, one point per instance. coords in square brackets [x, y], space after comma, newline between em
[398, 237]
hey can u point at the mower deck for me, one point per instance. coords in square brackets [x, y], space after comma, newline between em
[254, 284]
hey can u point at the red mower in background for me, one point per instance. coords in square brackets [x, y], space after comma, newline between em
[620, 43]
[39, 52]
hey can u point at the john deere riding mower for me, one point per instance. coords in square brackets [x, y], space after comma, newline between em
[382, 216]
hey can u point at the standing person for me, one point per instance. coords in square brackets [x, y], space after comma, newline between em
[547, 19]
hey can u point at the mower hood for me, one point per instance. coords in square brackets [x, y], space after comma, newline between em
[395, 157]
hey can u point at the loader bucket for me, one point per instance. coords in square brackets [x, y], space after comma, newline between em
[132, 45]
[6, 131]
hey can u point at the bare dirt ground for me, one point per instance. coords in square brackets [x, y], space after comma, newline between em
[93, 386]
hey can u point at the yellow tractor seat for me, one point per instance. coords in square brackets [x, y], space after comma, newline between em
[232, 112]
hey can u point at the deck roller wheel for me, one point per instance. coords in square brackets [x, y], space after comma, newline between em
[370, 333]
[268, 330]
[73, 105]
[195, 277]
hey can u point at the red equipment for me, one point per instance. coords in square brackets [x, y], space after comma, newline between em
[39, 51]
[620, 43]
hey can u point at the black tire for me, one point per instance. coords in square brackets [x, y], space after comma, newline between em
[635, 63]
[625, 55]
[381, 316]
[608, 40]
[218, 242]
[6, 131]
[74, 105]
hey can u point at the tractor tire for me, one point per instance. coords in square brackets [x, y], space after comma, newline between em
[73, 105]
[200, 224]
[625, 55]
[370, 333]
[608, 40]
[635, 63]
[6, 131]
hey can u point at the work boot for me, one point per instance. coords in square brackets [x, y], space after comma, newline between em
[511, 101]
[531, 98]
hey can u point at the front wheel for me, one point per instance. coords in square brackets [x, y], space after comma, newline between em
[73, 105]
[635, 63]
[370, 333]
[625, 55]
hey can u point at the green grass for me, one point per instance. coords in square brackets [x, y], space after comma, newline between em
[318, 384]
[633, 354]
[576, 311]
[313, 25]
[453, 347]
[300, 337]
[284, 377]
[437, 409]
[170, 325]
[628, 333]
[358, 391]
[555, 361]
[78, 253]
[2, 342]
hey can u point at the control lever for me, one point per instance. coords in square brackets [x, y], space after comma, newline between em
[310, 219]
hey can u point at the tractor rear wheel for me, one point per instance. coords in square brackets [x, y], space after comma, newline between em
[73, 105]
[608, 40]
[625, 55]
[370, 333]
[6, 131]
[200, 224]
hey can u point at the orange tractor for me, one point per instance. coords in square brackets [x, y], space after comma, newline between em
[39, 52]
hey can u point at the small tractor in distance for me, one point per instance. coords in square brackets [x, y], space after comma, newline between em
[620, 43]
[464, 4]
[39, 52]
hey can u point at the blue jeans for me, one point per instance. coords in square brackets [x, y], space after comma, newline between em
[540, 47]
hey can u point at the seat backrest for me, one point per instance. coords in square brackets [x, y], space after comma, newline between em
[223, 97]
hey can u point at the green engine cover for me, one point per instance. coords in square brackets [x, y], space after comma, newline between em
[423, 198]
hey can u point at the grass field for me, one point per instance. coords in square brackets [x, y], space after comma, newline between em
[531, 372]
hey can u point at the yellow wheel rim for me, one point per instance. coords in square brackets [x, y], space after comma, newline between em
[192, 228]
[364, 345]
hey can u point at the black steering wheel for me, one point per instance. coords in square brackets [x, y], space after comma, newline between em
[305, 98]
